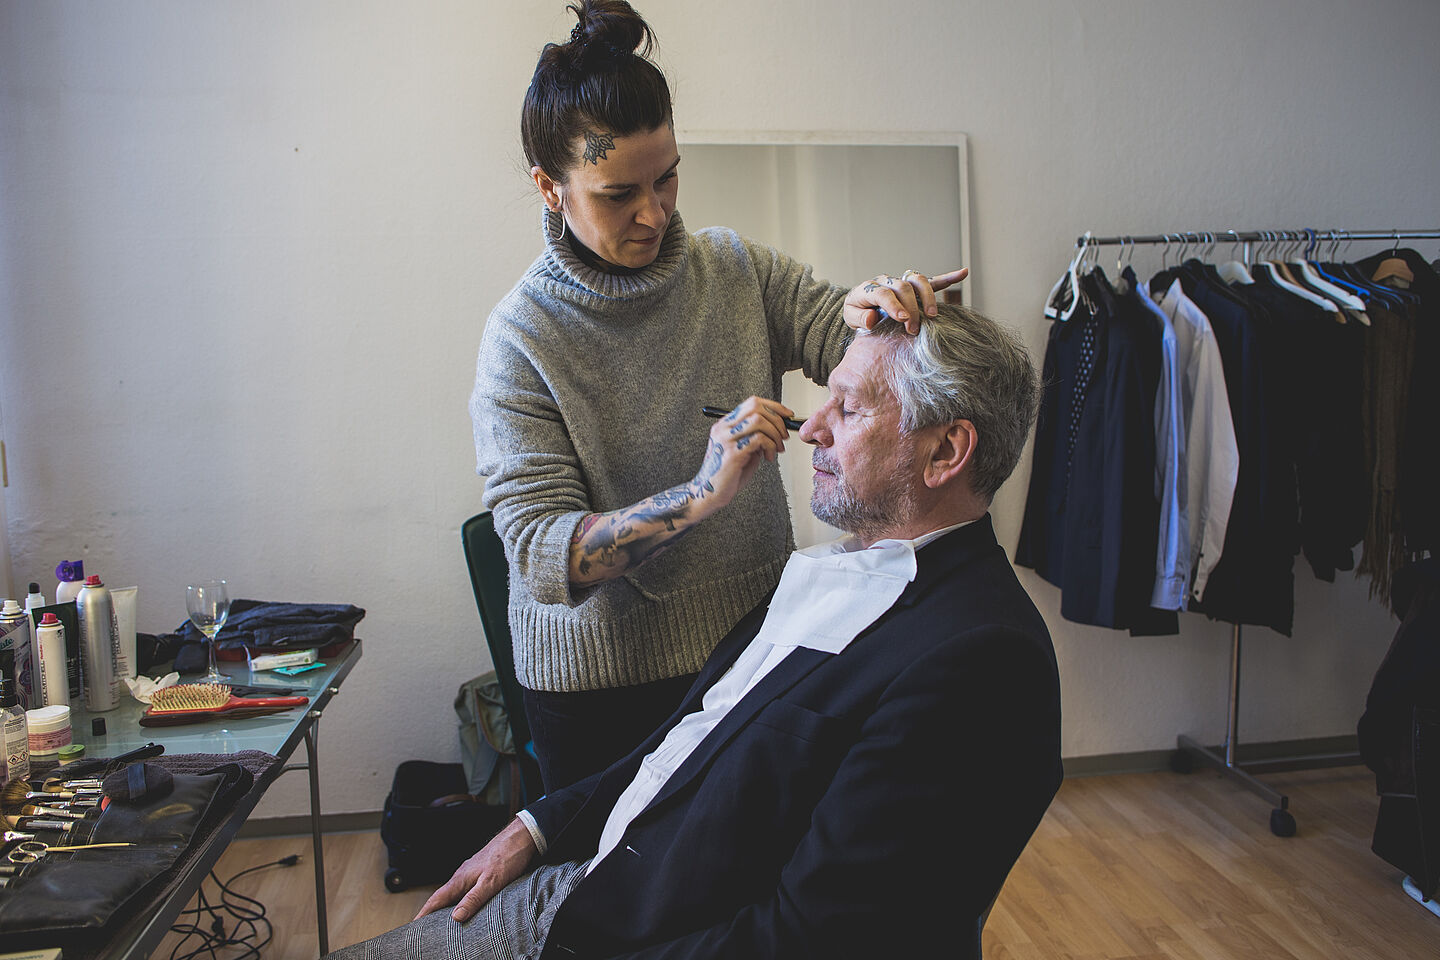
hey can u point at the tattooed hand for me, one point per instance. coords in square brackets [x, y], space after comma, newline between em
[606, 545]
[904, 298]
[738, 441]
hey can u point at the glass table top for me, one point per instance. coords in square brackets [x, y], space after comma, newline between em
[275, 734]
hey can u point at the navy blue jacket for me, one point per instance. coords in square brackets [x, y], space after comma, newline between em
[864, 804]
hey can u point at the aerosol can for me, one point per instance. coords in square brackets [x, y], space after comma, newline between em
[15, 637]
[99, 639]
[52, 683]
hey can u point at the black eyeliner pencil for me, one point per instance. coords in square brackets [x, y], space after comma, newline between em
[716, 413]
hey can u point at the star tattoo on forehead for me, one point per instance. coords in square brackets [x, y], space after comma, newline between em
[596, 146]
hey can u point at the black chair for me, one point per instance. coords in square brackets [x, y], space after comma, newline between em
[490, 579]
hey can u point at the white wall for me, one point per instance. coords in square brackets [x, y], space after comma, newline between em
[246, 250]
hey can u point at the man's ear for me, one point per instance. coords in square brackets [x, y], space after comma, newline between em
[548, 188]
[951, 453]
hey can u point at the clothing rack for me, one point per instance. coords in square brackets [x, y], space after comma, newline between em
[1223, 758]
[1259, 236]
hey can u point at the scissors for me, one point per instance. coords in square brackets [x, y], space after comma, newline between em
[28, 851]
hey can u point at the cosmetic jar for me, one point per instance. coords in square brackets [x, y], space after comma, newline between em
[49, 729]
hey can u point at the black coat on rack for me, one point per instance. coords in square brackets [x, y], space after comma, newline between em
[1400, 731]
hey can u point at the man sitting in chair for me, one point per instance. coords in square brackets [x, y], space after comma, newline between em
[862, 759]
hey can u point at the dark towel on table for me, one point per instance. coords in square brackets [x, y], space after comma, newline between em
[261, 625]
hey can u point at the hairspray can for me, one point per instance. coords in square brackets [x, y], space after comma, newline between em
[52, 685]
[71, 574]
[15, 636]
[98, 640]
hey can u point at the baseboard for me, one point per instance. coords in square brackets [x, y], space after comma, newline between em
[329, 823]
[1144, 761]
[1149, 761]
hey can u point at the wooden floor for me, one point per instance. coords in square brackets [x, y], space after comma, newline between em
[1155, 866]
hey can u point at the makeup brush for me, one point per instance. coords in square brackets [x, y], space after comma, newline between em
[31, 823]
[191, 702]
[14, 795]
[66, 788]
[69, 796]
[34, 810]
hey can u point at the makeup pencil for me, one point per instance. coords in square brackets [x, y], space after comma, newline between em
[716, 413]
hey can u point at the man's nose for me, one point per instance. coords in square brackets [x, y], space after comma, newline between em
[810, 430]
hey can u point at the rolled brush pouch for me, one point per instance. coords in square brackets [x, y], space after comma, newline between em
[66, 899]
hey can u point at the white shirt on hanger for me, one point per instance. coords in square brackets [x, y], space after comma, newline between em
[1212, 457]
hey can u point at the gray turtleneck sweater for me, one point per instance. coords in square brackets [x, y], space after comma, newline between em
[587, 399]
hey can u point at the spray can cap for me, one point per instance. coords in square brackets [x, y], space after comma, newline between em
[49, 620]
[93, 580]
[71, 570]
[11, 608]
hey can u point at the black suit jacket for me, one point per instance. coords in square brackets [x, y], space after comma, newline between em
[868, 803]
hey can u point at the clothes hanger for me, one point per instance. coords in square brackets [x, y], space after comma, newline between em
[1274, 271]
[1163, 277]
[1232, 270]
[1307, 276]
[1065, 295]
[1191, 265]
[1335, 274]
[1394, 267]
[1389, 296]
[1328, 271]
[1122, 280]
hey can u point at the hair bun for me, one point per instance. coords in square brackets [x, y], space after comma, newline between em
[611, 25]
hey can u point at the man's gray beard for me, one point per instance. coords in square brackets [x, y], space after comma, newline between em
[867, 520]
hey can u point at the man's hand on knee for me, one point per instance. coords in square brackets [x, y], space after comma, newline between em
[478, 879]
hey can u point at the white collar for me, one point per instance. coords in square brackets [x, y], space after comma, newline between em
[832, 591]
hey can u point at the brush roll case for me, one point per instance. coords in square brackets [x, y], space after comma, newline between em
[66, 899]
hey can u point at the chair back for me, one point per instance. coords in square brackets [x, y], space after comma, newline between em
[490, 579]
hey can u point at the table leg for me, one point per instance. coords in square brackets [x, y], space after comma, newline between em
[313, 755]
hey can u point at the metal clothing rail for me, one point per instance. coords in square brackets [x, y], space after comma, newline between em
[1223, 758]
[1259, 236]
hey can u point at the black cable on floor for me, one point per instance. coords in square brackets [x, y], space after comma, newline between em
[250, 930]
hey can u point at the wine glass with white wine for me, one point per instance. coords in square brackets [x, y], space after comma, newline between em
[208, 602]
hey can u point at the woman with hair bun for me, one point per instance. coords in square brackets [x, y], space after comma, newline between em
[625, 571]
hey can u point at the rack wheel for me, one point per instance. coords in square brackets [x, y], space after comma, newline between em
[1182, 762]
[395, 883]
[1282, 822]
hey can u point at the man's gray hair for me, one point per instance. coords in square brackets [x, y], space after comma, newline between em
[965, 366]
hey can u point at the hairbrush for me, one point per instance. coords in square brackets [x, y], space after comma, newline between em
[191, 702]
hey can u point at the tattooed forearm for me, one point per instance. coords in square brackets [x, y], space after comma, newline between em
[607, 545]
[714, 459]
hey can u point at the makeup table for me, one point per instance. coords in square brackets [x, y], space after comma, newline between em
[278, 734]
